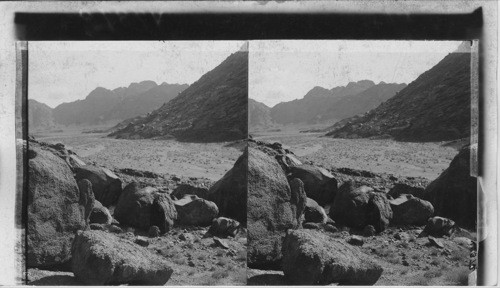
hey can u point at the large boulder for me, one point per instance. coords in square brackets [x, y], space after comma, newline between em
[454, 193]
[273, 208]
[100, 214]
[379, 212]
[56, 208]
[106, 186]
[145, 207]
[319, 184]
[230, 192]
[101, 258]
[192, 210]
[410, 210]
[314, 213]
[359, 206]
[311, 257]
[163, 213]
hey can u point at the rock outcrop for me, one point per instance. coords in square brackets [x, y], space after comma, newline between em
[314, 258]
[273, 208]
[101, 258]
[56, 208]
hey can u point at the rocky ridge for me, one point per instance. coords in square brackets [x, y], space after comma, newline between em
[434, 107]
[213, 109]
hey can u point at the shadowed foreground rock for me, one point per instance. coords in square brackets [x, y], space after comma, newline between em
[56, 208]
[273, 208]
[100, 258]
[311, 257]
[230, 192]
[454, 193]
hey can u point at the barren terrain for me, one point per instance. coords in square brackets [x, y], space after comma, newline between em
[199, 160]
[405, 159]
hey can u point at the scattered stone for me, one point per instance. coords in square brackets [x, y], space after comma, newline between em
[192, 210]
[311, 257]
[356, 240]
[369, 231]
[319, 184]
[230, 192]
[311, 226]
[97, 226]
[273, 208]
[435, 242]
[439, 226]
[114, 229]
[224, 227]
[186, 237]
[100, 258]
[100, 214]
[144, 242]
[409, 210]
[314, 213]
[330, 228]
[56, 209]
[154, 231]
[402, 236]
[221, 243]
[106, 186]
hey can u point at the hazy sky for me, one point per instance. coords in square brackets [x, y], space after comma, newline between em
[67, 71]
[286, 70]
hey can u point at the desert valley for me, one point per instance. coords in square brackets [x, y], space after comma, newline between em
[365, 183]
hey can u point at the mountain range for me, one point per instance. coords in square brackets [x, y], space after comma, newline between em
[103, 105]
[434, 107]
[213, 109]
[324, 105]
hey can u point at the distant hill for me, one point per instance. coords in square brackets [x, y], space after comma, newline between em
[103, 105]
[213, 109]
[39, 116]
[259, 115]
[321, 104]
[434, 107]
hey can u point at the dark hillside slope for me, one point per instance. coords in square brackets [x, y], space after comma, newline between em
[434, 107]
[213, 109]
